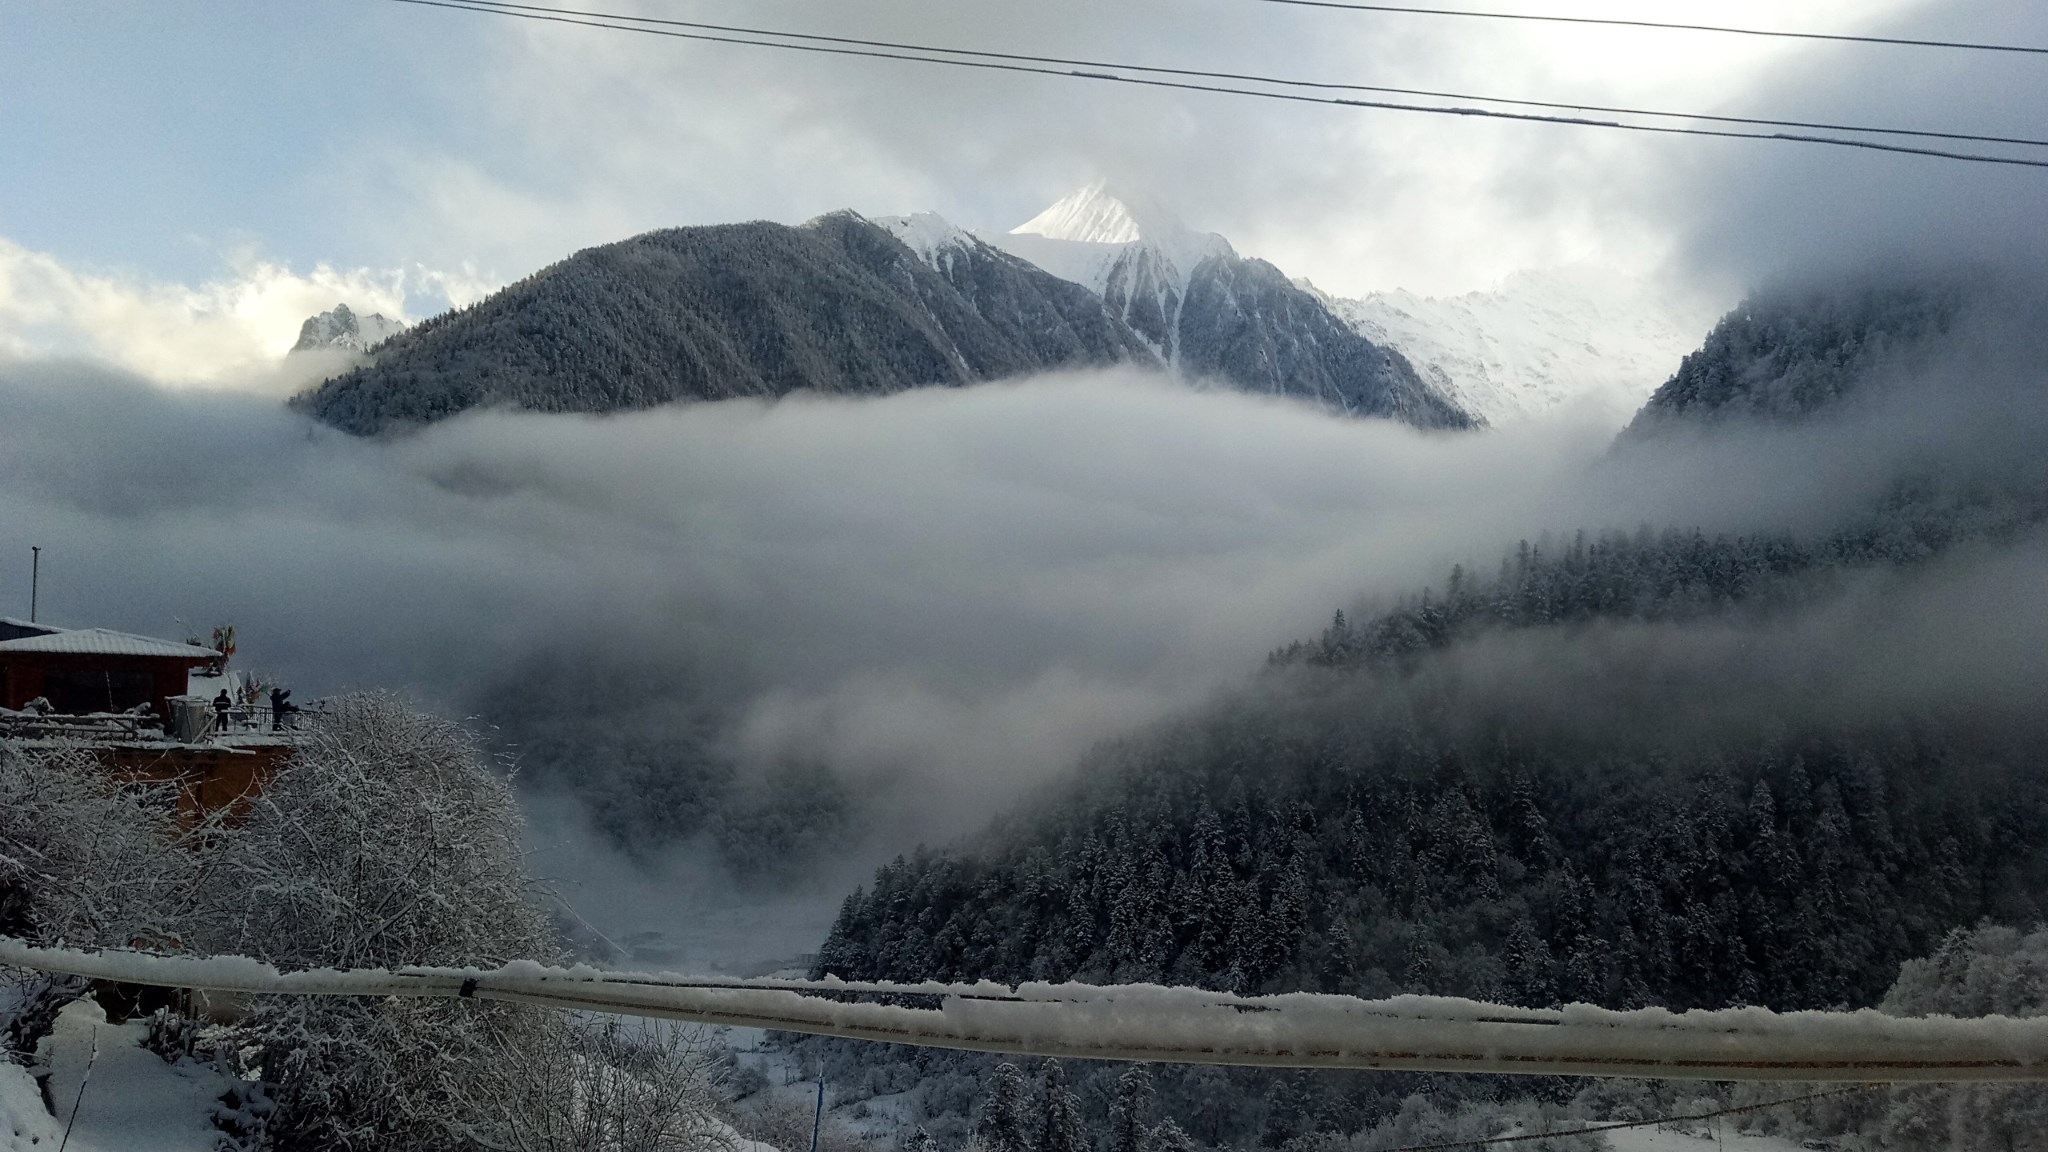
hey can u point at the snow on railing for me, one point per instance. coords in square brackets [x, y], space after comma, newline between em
[1186, 1025]
[89, 726]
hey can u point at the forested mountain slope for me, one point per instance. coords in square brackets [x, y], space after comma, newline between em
[837, 305]
[847, 306]
[1792, 351]
[1634, 768]
[1243, 321]
[1376, 826]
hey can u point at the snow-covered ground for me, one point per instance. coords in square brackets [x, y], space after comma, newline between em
[109, 1092]
[1697, 1137]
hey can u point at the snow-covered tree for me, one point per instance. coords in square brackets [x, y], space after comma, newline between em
[385, 841]
[87, 859]
[1002, 1117]
[1988, 971]
[1168, 1137]
[604, 1085]
[1128, 1111]
[1059, 1114]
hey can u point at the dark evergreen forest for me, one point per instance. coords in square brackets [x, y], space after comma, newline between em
[1484, 791]
[1356, 823]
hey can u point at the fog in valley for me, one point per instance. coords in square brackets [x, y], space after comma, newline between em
[763, 647]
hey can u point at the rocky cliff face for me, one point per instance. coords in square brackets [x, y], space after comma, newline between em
[342, 328]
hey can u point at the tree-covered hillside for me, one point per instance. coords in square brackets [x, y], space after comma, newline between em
[840, 305]
[1245, 322]
[837, 305]
[1792, 351]
[1373, 833]
[1630, 768]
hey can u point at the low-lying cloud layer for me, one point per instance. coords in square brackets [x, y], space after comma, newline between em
[937, 600]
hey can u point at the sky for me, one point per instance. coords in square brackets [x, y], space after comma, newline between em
[182, 185]
[945, 596]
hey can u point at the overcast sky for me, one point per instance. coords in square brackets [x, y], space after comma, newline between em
[183, 183]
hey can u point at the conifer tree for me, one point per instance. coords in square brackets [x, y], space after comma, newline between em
[1127, 1131]
[1059, 1114]
[1168, 1137]
[1002, 1117]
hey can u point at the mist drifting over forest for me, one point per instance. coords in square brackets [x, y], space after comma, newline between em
[855, 625]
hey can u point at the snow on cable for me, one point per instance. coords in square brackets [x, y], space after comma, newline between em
[1188, 1025]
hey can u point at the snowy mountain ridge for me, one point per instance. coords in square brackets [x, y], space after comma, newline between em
[892, 303]
[1125, 248]
[1539, 340]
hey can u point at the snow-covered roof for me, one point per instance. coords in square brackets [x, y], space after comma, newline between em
[104, 642]
[27, 625]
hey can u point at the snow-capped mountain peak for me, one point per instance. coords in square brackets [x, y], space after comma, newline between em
[1123, 247]
[1098, 214]
[342, 328]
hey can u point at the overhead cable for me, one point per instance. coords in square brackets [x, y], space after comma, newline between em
[1278, 81]
[1183, 1025]
[533, 13]
[1658, 1121]
[1843, 37]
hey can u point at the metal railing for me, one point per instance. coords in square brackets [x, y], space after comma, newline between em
[89, 726]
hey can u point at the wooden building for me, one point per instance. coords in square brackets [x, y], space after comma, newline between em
[82, 671]
[93, 679]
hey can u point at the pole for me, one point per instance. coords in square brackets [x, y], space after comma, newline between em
[818, 1118]
[35, 579]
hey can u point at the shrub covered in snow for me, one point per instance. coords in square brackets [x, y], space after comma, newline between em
[1988, 971]
[388, 841]
[86, 859]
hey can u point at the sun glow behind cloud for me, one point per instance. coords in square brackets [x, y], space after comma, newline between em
[228, 332]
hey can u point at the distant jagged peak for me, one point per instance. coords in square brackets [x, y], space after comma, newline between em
[342, 328]
[1102, 214]
[1087, 233]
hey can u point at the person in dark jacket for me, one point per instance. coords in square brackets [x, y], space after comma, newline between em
[223, 711]
[280, 705]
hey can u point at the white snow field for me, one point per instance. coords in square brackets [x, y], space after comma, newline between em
[112, 1094]
[1697, 1137]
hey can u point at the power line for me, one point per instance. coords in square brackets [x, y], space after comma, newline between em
[1182, 1025]
[481, 7]
[1897, 41]
[1278, 81]
[1519, 1138]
